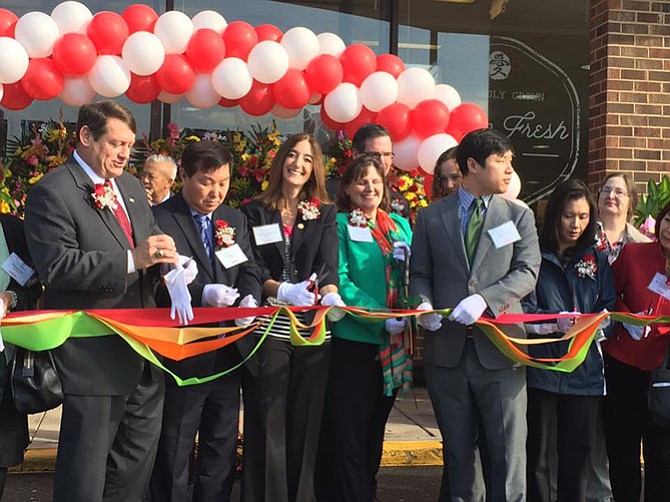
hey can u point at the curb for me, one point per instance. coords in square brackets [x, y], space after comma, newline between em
[37, 460]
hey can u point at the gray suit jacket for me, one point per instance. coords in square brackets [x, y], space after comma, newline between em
[80, 253]
[440, 274]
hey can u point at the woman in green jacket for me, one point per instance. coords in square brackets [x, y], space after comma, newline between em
[369, 360]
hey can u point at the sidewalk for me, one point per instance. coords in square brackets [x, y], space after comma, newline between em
[412, 436]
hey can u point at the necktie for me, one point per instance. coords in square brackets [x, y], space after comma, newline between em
[474, 229]
[122, 217]
[205, 227]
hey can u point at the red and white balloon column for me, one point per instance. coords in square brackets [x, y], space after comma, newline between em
[75, 55]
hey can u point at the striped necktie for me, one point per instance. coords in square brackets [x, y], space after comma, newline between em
[122, 217]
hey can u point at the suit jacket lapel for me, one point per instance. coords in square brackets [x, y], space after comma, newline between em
[452, 224]
[275, 217]
[299, 229]
[493, 219]
[187, 224]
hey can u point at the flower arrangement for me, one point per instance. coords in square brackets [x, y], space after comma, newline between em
[224, 234]
[411, 185]
[587, 267]
[650, 204]
[338, 155]
[309, 209]
[104, 197]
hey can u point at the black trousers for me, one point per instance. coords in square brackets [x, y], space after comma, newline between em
[563, 426]
[627, 422]
[283, 406]
[212, 410]
[355, 418]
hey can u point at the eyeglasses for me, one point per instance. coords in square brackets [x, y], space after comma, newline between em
[378, 155]
[618, 192]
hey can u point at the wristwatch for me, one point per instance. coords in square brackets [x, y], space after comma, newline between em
[15, 299]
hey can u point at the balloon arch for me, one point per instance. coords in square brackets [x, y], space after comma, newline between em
[73, 55]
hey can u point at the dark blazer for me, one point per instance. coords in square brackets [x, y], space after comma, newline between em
[80, 253]
[314, 244]
[175, 219]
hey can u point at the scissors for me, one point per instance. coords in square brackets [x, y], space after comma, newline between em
[316, 279]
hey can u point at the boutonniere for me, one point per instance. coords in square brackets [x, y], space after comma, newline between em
[224, 234]
[357, 219]
[601, 241]
[309, 209]
[587, 267]
[104, 197]
[397, 206]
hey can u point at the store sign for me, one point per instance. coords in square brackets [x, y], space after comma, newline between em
[536, 104]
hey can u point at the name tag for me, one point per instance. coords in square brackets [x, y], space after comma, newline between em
[17, 269]
[504, 234]
[231, 256]
[659, 285]
[359, 234]
[267, 234]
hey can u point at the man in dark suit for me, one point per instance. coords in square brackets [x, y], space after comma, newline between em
[93, 237]
[477, 252]
[205, 228]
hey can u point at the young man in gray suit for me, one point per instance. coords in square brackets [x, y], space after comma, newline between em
[478, 253]
[92, 237]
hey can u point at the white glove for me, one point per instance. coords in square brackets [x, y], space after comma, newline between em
[219, 295]
[395, 326]
[246, 302]
[565, 323]
[545, 328]
[333, 299]
[469, 310]
[605, 324]
[179, 296]
[297, 294]
[2, 314]
[637, 333]
[401, 250]
[190, 270]
[432, 321]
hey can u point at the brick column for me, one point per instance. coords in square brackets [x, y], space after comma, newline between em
[629, 96]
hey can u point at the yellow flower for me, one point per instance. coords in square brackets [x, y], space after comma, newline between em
[4, 207]
[244, 157]
[35, 178]
[264, 185]
[192, 138]
[410, 196]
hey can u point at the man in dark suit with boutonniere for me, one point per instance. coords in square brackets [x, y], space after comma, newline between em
[216, 236]
[92, 237]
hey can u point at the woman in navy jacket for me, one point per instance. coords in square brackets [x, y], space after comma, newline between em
[574, 277]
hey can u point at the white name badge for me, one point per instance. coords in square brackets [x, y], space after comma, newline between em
[659, 285]
[359, 234]
[504, 234]
[17, 269]
[231, 256]
[267, 234]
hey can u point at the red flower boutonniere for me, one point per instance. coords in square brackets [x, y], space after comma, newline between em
[601, 241]
[224, 234]
[587, 267]
[357, 219]
[309, 209]
[104, 197]
[397, 206]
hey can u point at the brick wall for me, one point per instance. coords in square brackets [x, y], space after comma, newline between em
[629, 97]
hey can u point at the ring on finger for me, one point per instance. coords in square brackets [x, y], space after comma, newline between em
[158, 253]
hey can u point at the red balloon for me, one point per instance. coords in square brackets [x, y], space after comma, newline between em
[465, 118]
[335, 126]
[205, 50]
[43, 80]
[227, 103]
[268, 32]
[390, 63]
[108, 31]
[175, 75]
[365, 117]
[7, 23]
[358, 61]
[324, 73]
[14, 97]
[259, 100]
[292, 91]
[143, 88]
[429, 117]
[240, 38]
[395, 118]
[140, 17]
[74, 54]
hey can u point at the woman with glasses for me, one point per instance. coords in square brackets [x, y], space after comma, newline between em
[447, 176]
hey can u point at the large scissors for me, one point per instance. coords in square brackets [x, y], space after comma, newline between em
[315, 280]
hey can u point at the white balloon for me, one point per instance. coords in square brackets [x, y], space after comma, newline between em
[448, 95]
[268, 61]
[302, 46]
[37, 33]
[13, 61]
[77, 91]
[514, 188]
[330, 43]
[209, 19]
[378, 90]
[415, 85]
[431, 148]
[202, 94]
[343, 103]
[174, 29]
[71, 17]
[167, 97]
[143, 53]
[284, 113]
[407, 153]
[231, 78]
[109, 77]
